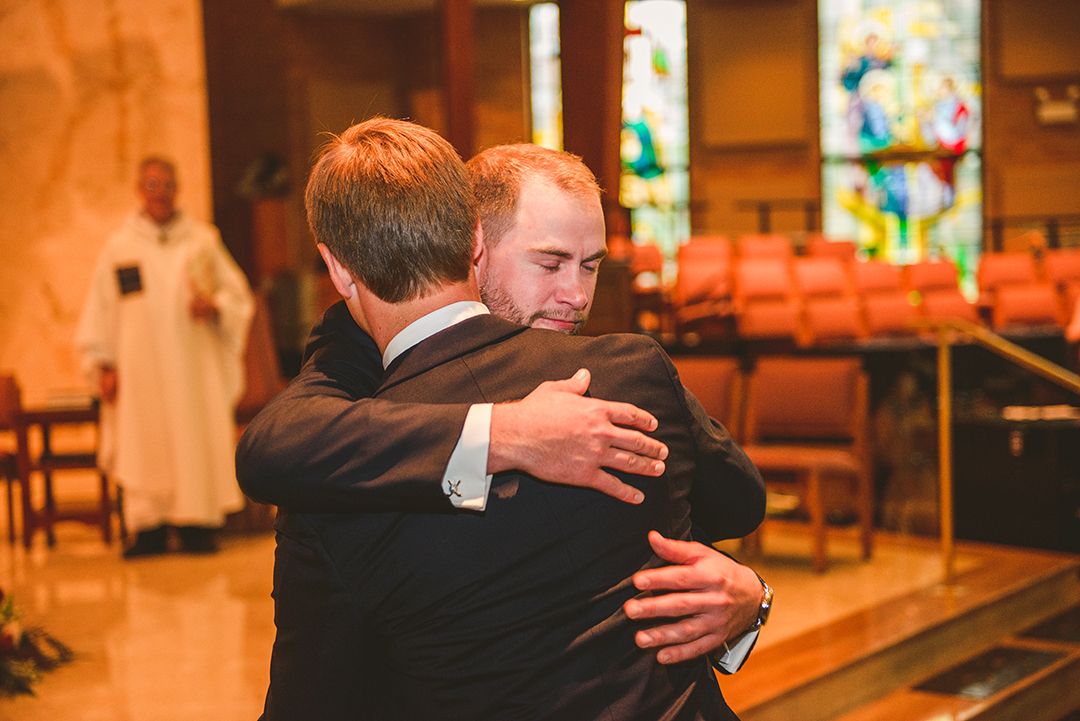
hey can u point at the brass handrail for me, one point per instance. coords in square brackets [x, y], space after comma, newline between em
[1008, 350]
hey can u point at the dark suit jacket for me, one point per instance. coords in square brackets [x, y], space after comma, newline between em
[510, 613]
[324, 444]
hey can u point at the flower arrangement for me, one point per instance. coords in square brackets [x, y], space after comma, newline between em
[26, 653]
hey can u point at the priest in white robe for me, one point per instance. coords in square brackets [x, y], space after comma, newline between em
[163, 335]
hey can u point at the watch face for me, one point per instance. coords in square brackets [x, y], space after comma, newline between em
[766, 605]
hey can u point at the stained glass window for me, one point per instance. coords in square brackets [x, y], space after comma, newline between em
[655, 181]
[901, 128]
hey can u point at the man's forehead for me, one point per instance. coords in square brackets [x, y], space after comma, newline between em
[561, 222]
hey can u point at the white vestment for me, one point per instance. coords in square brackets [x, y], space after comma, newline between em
[170, 439]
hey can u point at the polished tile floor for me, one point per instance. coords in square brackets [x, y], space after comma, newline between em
[178, 637]
[181, 637]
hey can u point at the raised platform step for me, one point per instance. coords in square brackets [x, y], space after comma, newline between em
[854, 662]
[1034, 676]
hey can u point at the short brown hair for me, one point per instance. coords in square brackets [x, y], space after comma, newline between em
[497, 174]
[159, 160]
[391, 200]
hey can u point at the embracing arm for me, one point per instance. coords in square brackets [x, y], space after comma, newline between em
[704, 598]
[325, 444]
[318, 446]
[728, 496]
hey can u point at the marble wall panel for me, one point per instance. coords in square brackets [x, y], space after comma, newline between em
[87, 89]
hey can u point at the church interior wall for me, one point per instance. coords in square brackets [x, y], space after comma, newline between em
[88, 89]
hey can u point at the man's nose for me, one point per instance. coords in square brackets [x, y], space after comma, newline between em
[572, 292]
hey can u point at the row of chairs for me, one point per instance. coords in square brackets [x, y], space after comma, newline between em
[803, 421]
[818, 299]
[827, 295]
[1024, 287]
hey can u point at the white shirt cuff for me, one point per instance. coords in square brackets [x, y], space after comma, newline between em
[737, 653]
[466, 481]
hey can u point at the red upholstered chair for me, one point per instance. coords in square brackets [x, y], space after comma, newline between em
[821, 275]
[820, 246]
[807, 423]
[769, 245]
[830, 308]
[932, 275]
[887, 309]
[1010, 287]
[936, 283]
[766, 306]
[1031, 304]
[645, 258]
[703, 285]
[704, 274]
[717, 383]
[875, 276]
[705, 246]
[1062, 269]
[646, 273]
[998, 269]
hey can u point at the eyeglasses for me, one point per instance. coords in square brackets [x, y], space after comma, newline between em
[153, 185]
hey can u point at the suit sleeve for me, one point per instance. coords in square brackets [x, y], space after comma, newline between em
[324, 445]
[727, 499]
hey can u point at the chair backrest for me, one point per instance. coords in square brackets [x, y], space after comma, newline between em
[1062, 264]
[764, 297]
[701, 280]
[717, 383]
[833, 317]
[888, 313]
[947, 303]
[765, 246]
[645, 259]
[763, 278]
[871, 276]
[807, 399]
[820, 276]
[932, 275]
[998, 269]
[818, 246]
[1030, 304]
[705, 246]
[10, 402]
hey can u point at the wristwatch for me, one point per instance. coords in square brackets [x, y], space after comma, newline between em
[766, 605]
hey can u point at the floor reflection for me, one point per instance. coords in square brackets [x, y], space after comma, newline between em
[189, 637]
[176, 637]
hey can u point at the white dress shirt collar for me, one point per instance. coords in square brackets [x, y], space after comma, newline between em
[430, 324]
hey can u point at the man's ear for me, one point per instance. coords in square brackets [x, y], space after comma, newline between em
[480, 255]
[339, 274]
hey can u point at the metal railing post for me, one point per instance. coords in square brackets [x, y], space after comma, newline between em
[991, 341]
[948, 547]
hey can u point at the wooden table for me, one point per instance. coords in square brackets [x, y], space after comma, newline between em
[49, 461]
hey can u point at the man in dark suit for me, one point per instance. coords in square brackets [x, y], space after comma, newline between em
[515, 612]
[544, 239]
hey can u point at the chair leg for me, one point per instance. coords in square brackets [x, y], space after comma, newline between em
[29, 520]
[106, 510]
[120, 513]
[10, 513]
[816, 509]
[50, 511]
[866, 515]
